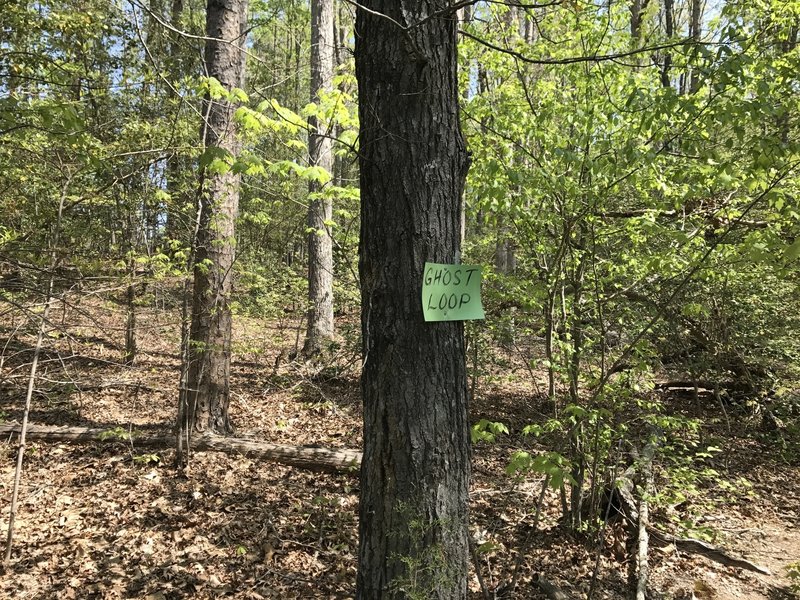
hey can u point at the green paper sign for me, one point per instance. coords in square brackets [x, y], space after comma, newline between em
[451, 292]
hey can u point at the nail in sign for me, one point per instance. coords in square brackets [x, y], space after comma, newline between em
[451, 292]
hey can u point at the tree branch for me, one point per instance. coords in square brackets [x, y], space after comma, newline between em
[570, 60]
[447, 11]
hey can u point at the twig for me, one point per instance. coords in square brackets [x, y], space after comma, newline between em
[534, 527]
[474, 553]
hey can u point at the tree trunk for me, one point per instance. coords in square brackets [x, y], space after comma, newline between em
[642, 566]
[577, 437]
[23, 431]
[505, 258]
[636, 22]
[549, 321]
[788, 45]
[130, 322]
[669, 30]
[174, 167]
[210, 345]
[529, 26]
[695, 19]
[465, 15]
[130, 296]
[320, 210]
[415, 473]
[511, 19]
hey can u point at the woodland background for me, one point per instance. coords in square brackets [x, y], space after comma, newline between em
[632, 197]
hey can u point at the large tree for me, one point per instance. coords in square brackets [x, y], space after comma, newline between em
[210, 346]
[320, 210]
[413, 161]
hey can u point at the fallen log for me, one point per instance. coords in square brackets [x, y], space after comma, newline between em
[306, 457]
[702, 548]
[705, 386]
[688, 384]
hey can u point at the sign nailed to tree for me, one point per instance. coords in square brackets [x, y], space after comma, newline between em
[451, 292]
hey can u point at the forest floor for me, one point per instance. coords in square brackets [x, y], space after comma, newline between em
[109, 520]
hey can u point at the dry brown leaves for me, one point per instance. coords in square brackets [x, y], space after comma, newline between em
[109, 521]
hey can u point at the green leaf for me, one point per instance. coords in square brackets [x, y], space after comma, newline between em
[487, 431]
[316, 173]
[792, 252]
[238, 95]
[215, 153]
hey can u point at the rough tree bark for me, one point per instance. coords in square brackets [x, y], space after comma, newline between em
[415, 472]
[210, 345]
[320, 210]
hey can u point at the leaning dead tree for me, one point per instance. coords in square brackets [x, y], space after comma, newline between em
[24, 426]
[54, 241]
[643, 533]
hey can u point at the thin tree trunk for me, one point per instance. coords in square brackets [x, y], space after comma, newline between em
[320, 209]
[130, 296]
[465, 15]
[55, 240]
[529, 26]
[298, 56]
[173, 176]
[639, 567]
[694, 32]
[130, 321]
[415, 472]
[784, 120]
[510, 18]
[505, 259]
[642, 566]
[669, 29]
[549, 317]
[22, 438]
[210, 346]
[577, 437]
[636, 21]
[185, 396]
